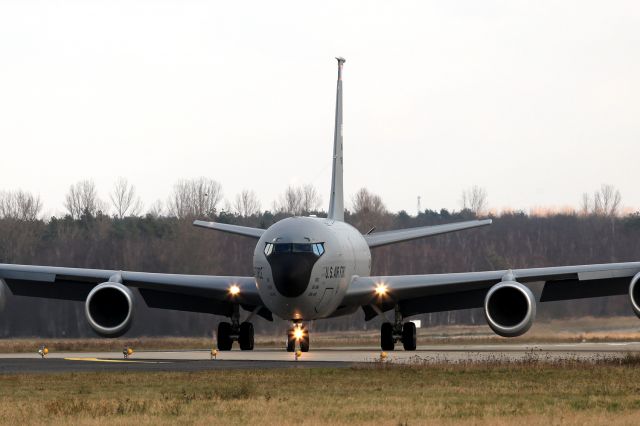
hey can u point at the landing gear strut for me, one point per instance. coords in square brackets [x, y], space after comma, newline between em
[235, 331]
[298, 333]
[398, 332]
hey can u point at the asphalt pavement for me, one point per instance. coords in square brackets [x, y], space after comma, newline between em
[199, 360]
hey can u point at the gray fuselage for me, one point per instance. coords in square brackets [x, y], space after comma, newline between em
[303, 266]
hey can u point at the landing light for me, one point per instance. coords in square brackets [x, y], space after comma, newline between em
[298, 333]
[234, 290]
[381, 289]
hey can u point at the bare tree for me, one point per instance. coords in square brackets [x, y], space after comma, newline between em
[585, 205]
[195, 198]
[82, 200]
[298, 200]
[247, 203]
[156, 209]
[124, 199]
[311, 199]
[606, 201]
[290, 202]
[475, 199]
[20, 205]
[364, 202]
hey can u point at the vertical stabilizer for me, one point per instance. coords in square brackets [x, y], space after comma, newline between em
[336, 203]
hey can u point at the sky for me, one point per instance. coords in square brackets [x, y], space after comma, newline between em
[535, 101]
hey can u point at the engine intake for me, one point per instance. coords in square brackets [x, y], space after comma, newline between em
[634, 294]
[509, 308]
[109, 309]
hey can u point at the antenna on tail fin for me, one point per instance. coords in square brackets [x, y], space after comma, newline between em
[336, 203]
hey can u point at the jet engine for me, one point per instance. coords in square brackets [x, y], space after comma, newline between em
[509, 308]
[634, 294]
[3, 294]
[109, 309]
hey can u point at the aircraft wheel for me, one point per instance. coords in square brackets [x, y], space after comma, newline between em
[386, 336]
[291, 341]
[304, 342]
[224, 336]
[246, 336]
[409, 340]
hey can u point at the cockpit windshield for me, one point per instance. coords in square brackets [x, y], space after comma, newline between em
[279, 248]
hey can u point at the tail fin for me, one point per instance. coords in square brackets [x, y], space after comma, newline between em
[336, 203]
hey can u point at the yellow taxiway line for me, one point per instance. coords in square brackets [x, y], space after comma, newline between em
[117, 360]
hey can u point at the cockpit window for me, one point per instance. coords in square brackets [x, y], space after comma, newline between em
[316, 248]
[302, 248]
[282, 248]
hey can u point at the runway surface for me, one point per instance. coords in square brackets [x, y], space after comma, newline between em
[192, 360]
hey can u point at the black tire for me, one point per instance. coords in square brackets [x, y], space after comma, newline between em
[409, 340]
[291, 341]
[386, 337]
[246, 336]
[224, 336]
[304, 342]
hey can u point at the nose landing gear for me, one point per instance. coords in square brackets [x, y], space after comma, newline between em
[398, 332]
[298, 333]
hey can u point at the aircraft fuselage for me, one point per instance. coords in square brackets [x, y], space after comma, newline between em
[303, 266]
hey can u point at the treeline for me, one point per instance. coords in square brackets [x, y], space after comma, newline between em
[166, 241]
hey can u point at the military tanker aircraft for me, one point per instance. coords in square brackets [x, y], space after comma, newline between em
[310, 268]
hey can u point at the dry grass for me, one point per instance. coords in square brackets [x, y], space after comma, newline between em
[586, 329]
[529, 392]
[104, 345]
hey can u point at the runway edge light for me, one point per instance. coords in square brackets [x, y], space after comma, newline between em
[127, 352]
[43, 351]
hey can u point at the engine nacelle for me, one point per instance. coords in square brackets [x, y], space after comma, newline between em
[634, 294]
[510, 308]
[3, 294]
[109, 309]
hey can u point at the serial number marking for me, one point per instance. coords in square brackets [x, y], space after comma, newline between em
[334, 272]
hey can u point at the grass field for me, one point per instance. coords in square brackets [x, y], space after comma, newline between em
[586, 329]
[530, 392]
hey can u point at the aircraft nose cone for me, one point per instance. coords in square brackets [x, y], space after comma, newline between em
[291, 272]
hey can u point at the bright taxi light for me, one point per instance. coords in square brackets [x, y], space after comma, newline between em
[381, 289]
[298, 333]
[234, 290]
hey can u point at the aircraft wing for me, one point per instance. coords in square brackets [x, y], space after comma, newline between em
[389, 237]
[416, 294]
[231, 229]
[194, 293]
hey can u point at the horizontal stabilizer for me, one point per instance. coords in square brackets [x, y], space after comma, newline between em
[397, 236]
[231, 229]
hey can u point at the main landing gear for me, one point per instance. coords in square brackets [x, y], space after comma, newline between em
[398, 332]
[298, 333]
[235, 331]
